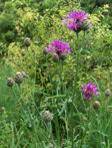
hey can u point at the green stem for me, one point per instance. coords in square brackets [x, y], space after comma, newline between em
[75, 89]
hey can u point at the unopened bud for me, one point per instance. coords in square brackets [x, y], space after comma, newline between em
[47, 116]
[19, 78]
[10, 82]
[55, 57]
[27, 41]
[24, 74]
[107, 93]
[2, 109]
[96, 105]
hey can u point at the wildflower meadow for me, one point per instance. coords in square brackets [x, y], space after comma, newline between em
[55, 73]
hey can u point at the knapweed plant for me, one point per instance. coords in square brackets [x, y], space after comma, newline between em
[55, 74]
[58, 49]
[89, 90]
[77, 21]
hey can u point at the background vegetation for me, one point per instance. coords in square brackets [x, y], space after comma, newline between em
[50, 85]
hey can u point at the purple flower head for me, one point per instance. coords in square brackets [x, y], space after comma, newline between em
[77, 21]
[89, 90]
[58, 48]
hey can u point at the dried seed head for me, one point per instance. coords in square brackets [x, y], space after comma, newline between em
[47, 116]
[96, 105]
[10, 82]
[107, 93]
[27, 41]
[19, 78]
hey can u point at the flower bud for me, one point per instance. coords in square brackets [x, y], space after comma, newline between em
[19, 78]
[10, 82]
[107, 93]
[24, 74]
[2, 109]
[45, 51]
[96, 105]
[47, 116]
[55, 57]
[27, 41]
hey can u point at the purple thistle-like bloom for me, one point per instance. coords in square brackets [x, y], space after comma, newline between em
[58, 48]
[89, 90]
[77, 21]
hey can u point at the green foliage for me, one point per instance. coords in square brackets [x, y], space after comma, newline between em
[50, 85]
[6, 22]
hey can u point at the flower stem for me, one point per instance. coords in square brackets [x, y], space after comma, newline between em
[75, 88]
